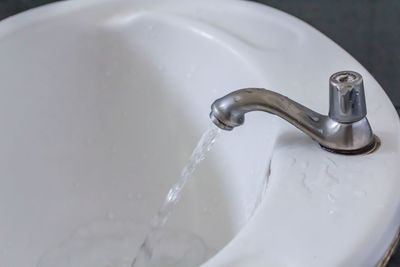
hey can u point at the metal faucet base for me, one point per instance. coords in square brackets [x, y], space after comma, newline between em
[372, 147]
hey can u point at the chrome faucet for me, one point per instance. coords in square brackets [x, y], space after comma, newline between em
[345, 130]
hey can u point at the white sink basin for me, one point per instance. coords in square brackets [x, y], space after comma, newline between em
[102, 102]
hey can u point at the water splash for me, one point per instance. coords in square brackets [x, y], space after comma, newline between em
[146, 252]
[101, 243]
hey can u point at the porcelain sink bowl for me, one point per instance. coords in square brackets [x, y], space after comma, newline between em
[103, 101]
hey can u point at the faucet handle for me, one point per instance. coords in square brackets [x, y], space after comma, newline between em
[346, 97]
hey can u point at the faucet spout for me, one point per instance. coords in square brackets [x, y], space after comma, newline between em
[345, 130]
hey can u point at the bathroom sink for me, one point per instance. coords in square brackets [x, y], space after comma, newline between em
[103, 101]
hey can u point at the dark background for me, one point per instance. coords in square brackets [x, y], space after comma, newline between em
[368, 29]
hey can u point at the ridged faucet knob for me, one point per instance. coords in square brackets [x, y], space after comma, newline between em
[346, 97]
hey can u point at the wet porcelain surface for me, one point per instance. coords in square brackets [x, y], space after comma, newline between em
[77, 154]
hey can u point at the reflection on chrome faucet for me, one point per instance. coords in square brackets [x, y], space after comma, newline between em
[345, 130]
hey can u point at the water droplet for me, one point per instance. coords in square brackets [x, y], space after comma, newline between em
[315, 118]
[332, 161]
[150, 27]
[332, 177]
[111, 215]
[331, 198]
[192, 71]
[130, 196]
[305, 183]
[139, 196]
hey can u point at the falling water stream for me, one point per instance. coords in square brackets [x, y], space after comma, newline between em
[146, 257]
